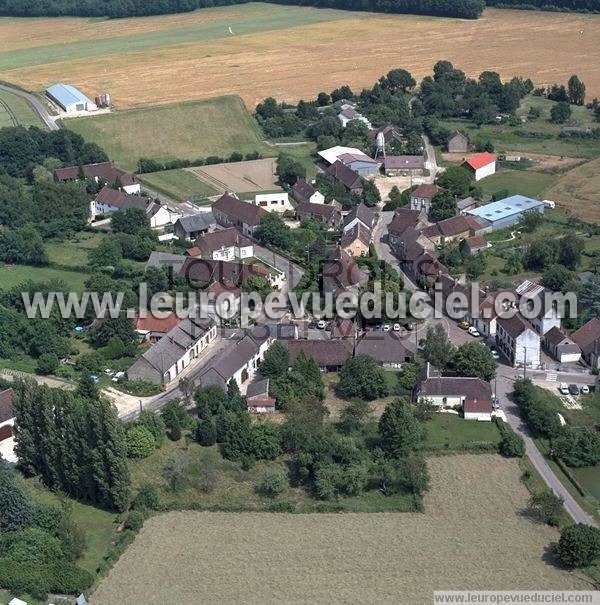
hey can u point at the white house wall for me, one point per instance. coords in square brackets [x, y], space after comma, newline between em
[488, 170]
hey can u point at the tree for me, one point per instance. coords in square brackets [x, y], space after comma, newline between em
[443, 206]
[579, 545]
[512, 444]
[16, 511]
[131, 221]
[237, 444]
[577, 446]
[187, 388]
[206, 433]
[547, 507]
[401, 433]
[47, 364]
[437, 350]
[398, 80]
[107, 254]
[274, 482]
[558, 278]
[456, 180]
[362, 377]
[155, 424]
[576, 91]
[276, 361]
[560, 113]
[140, 442]
[353, 416]
[266, 441]
[323, 99]
[474, 359]
[407, 379]
[514, 263]
[273, 231]
[530, 221]
[109, 327]
[570, 249]
[289, 170]
[208, 400]
[589, 296]
[541, 254]
[370, 194]
[147, 498]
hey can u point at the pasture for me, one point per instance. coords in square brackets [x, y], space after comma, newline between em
[15, 111]
[472, 534]
[239, 177]
[286, 52]
[188, 131]
[179, 185]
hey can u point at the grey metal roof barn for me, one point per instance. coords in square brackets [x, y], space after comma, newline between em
[66, 95]
[507, 211]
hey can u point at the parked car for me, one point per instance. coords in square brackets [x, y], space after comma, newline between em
[377, 328]
[584, 390]
[321, 325]
[312, 325]
[464, 325]
[409, 326]
[396, 327]
[118, 376]
[473, 332]
[386, 327]
[495, 354]
[495, 402]
[573, 389]
[563, 388]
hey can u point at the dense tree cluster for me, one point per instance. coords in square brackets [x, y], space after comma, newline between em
[73, 441]
[465, 9]
[583, 6]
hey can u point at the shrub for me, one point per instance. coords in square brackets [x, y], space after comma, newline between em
[579, 545]
[155, 424]
[547, 507]
[274, 482]
[140, 442]
[135, 520]
[512, 445]
[206, 433]
[147, 498]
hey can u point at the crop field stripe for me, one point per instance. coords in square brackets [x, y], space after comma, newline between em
[276, 18]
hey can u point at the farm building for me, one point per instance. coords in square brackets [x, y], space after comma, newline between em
[328, 214]
[469, 203]
[452, 229]
[329, 355]
[191, 226]
[101, 172]
[561, 347]
[230, 211]
[152, 329]
[273, 202]
[403, 165]
[458, 142]
[305, 192]
[345, 175]
[508, 211]
[388, 349]
[332, 154]
[474, 245]
[481, 165]
[69, 99]
[352, 158]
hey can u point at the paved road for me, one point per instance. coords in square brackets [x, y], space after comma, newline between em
[431, 161]
[37, 105]
[505, 377]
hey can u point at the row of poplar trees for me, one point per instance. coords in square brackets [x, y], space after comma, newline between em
[74, 441]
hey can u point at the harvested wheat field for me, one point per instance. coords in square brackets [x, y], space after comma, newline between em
[579, 191]
[240, 177]
[287, 52]
[470, 537]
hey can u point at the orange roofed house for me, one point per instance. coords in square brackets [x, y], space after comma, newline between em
[481, 165]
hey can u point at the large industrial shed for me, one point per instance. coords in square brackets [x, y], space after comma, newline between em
[508, 211]
[69, 99]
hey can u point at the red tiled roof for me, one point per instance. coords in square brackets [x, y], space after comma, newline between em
[236, 209]
[103, 170]
[6, 410]
[480, 160]
[193, 251]
[346, 175]
[261, 403]
[588, 335]
[360, 232]
[156, 324]
[476, 242]
[478, 406]
[408, 162]
[120, 199]
[209, 242]
[425, 191]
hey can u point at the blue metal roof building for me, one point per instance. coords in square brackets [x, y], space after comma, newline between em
[508, 211]
[69, 98]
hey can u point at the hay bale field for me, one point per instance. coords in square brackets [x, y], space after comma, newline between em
[579, 191]
[287, 52]
[470, 537]
[240, 177]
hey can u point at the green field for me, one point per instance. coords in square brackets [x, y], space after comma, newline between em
[13, 275]
[191, 130]
[452, 432]
[524, 182]
[73, 253]
[16, 111]
[179, 185]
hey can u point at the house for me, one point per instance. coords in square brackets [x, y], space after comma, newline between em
[194, 225]
[403, 219]
[519, 342]
[273, 202]
[302, 191]
[257, 397]
[474, 409]
[69, 98]
[329, 355]
[561, 347]
[458, 142]
[447, 392]
[227, 244]
[161, 215]
[420, 198]
[343, 328]
[328, 214]
[453, 229]
[341, 273]
[152, 329]
[166, 359]
[359, 214]
[349, 114]
[350, 179]
[547, 317]
[404, 165]
[101, 172]
[487, 316]
[389, 132]
[360, 163]
[588, 339]
[205, 271]
[110, 200]
[230, 211]
[355, 241]
[239, 360]
[469, 203]
[480, 165]
[223, 300]
[388, 349]
[506, 212]
[7, 416]
[474, 245]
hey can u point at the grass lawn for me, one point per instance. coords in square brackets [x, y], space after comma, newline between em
[305, 154]
[13, 275]
[180, 185]
[73, 253]
[525, 182]
[452, 432]
[190, 130]
[16, 111]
